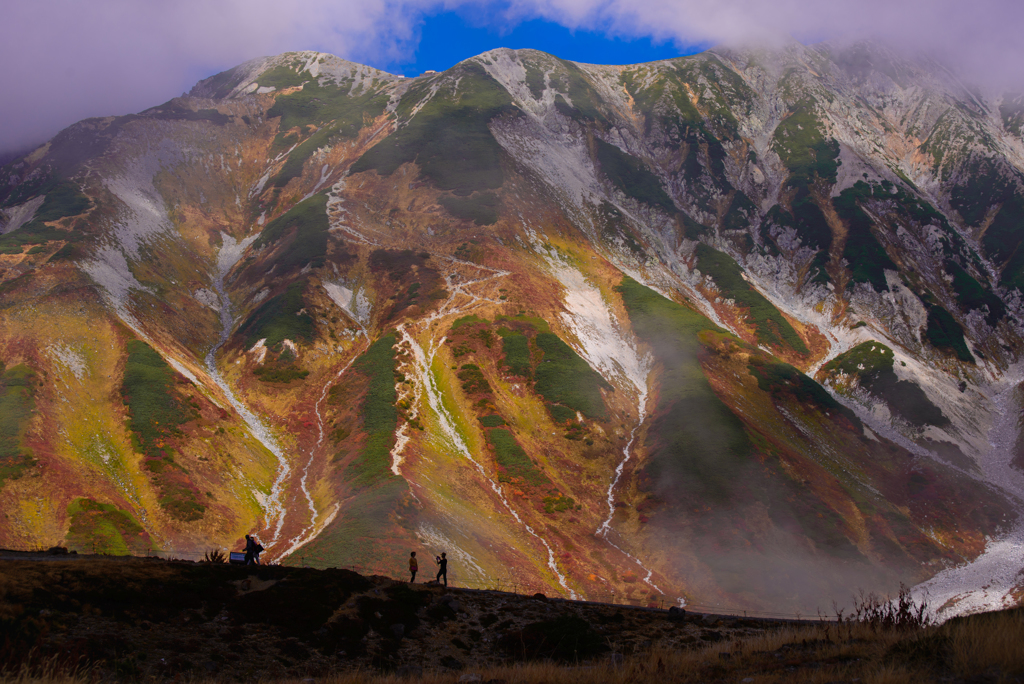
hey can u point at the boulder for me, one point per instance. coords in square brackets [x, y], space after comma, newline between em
[451, 663]
[409, 671]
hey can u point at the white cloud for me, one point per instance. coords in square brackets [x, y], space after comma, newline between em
[67, 59]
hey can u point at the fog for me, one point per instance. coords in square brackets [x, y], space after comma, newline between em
[66, 60]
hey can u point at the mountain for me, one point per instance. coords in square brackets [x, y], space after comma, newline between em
[741, 328]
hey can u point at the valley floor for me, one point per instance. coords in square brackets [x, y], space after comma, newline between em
[100, 619]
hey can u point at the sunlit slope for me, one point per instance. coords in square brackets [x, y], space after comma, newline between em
[551, 318]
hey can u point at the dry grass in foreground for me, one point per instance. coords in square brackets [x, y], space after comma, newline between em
[91, 621]
[981, 648]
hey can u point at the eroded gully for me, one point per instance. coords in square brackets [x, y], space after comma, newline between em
[422, 361]
[273, 508]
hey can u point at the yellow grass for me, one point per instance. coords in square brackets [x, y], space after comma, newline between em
[988, 645]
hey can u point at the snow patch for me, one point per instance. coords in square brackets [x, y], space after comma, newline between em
[271, 503]
[989, 582]
[602, 341]
[110, 271]
[70, 359]
[260, 349]
[352, 301]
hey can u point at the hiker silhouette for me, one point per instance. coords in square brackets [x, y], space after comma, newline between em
[250, 549]
[413, 567]
[253, 549]
[442, 570]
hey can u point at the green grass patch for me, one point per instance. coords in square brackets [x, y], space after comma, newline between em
[985, 185]
[665, 99]
[698, 447]
[558, 502]
[481, 208]
[565, 378]
[945, 333]
[872, 364]
[354, 538]
[63, 199]
[278, 319]
[380, 417]
[473, 380]
[571, 80]
[179, 500]
[867, 258]
[283, 76]
[154, 406]
[988, 183]
[17, 404]
[632, 177]
[491, 421]
[338, 115]
[103, 528]
[804, 149]
[329, 103]
[561, 414]
[973, 295]
[471, 319]
[535, 322]
[516, 348]
[155, 413]
[770, 326]
[809, 221]
[741, 210]
[297, 158]
[534, 79]
[514, 460]
[304, 230]
[448, 137]
[779, 378]
[280, 373]
[809, 156]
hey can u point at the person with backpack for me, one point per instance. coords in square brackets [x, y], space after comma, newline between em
[250, 549]
[257, 549]
[413, 567]
[442, 570]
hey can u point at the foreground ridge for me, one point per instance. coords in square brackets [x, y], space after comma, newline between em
[162, 620]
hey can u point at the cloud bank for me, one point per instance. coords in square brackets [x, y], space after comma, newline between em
[64, 60]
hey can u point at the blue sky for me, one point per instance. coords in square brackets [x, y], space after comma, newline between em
[448, 38]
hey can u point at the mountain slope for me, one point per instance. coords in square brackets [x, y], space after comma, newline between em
[565, 321]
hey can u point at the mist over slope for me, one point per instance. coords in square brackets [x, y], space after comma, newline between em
[740, 327]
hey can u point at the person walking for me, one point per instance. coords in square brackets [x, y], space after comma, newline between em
[442, 569]
[413, 567]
